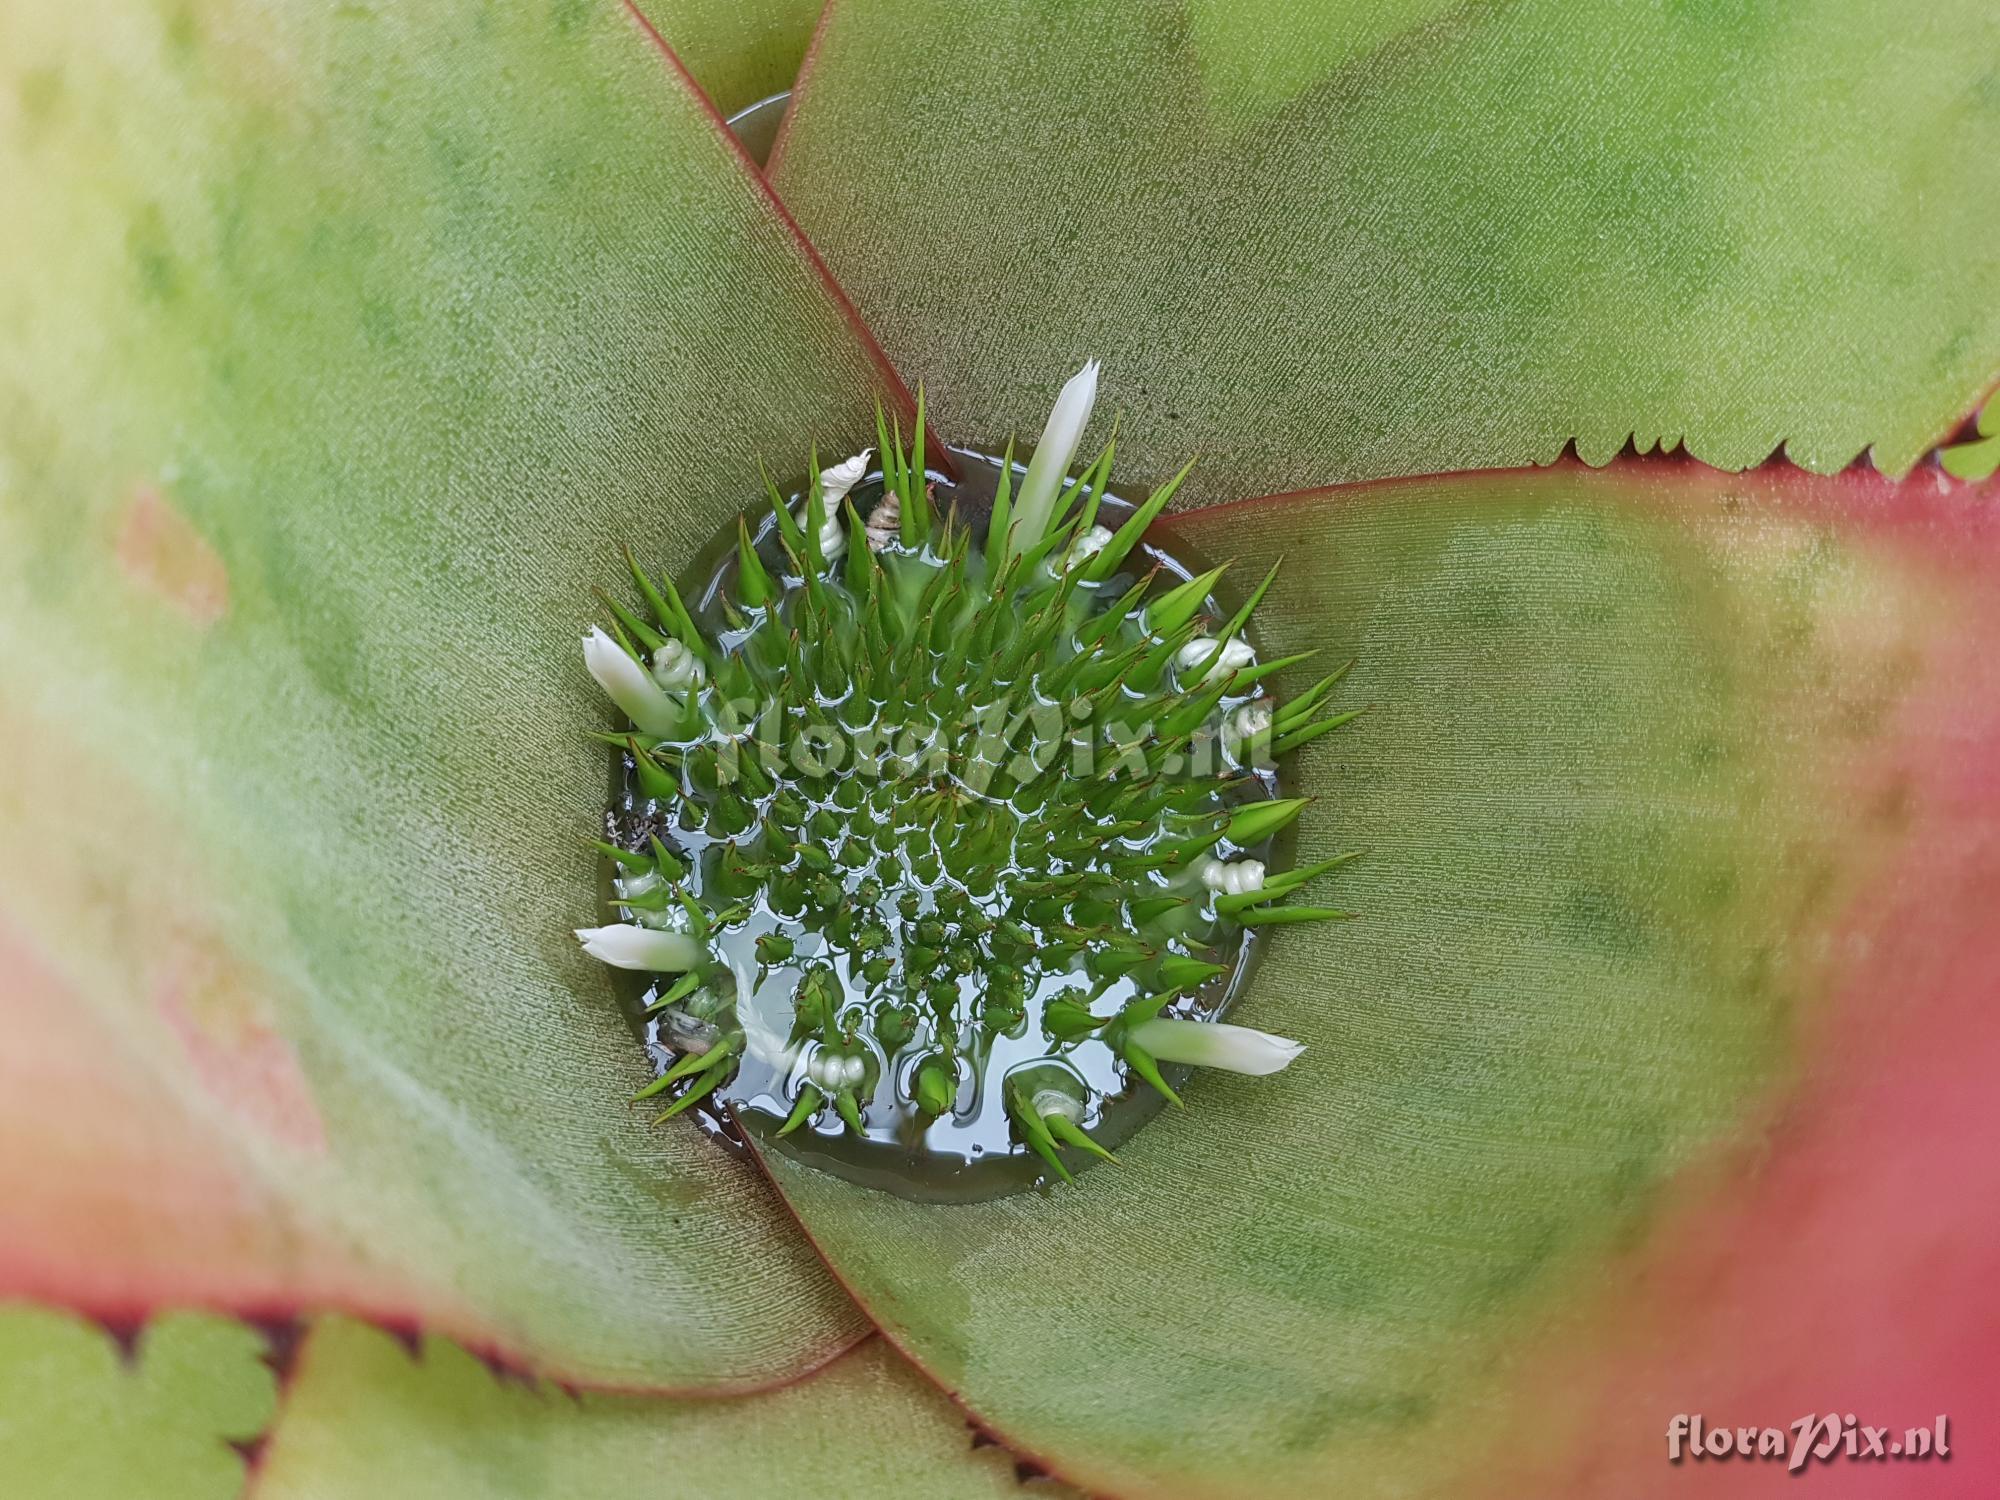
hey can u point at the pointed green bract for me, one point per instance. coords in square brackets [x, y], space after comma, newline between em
[1676, 973]
[363, 1419]
[345, 346]
[1399, 237]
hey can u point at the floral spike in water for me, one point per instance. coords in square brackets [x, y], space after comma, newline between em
[878, 763]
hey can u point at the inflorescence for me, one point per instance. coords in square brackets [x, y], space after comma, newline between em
[958, 787]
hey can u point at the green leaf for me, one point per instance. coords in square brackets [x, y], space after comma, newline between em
[80, 1421]
[345, 347]
[1397, 236]
[363, 1419]
[1669, 1008]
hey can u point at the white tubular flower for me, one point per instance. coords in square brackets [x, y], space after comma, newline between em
[1236, 654]
[1089, 545]
[676, 668]
[629, 685]
[1216, 1044]
[1235, 877]
[1036, 500]
[625, 946]
[836, 482]
[834, 485]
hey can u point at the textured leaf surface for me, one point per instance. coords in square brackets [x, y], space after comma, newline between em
[343, 347]
[79, 1421]
[363, 1420]
[1327, 242]
[1654, 1077]
[739, 51]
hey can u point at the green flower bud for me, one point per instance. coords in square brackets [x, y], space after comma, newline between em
[895, 1025]
[936, 1085]
[814, 1002]
[1067, 1017]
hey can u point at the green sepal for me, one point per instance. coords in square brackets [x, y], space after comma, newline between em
[1033, 1131]
[860, 568]
[1128, 535]
[814, 1002]
[891, 459]
[1145, 913]
[1305, 736]
[691, 1063]
[1090, 483]
[711, 1078]
[849, 1111]
[1278, 885]
[1237, 621]
[664, 859]
[639, 864]
[686, 985]
[638, 629]
[1071, 1133]
[1178, 973]
[1068, 1019]
[1173, 610]
[807, 1105]
[754, 585]
[1279, 916]
[1003, 509]
[1147, 1067]
[1300, 709]
[915, 528]
[656, 782]
[1257, 821]
[669, 609]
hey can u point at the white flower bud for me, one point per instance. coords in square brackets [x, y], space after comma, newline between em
[1246, 724]
[1089, 545]
[1236, 877]
[826, 1070]
[1236, 654]
[1251, 720]
[832, 1072]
